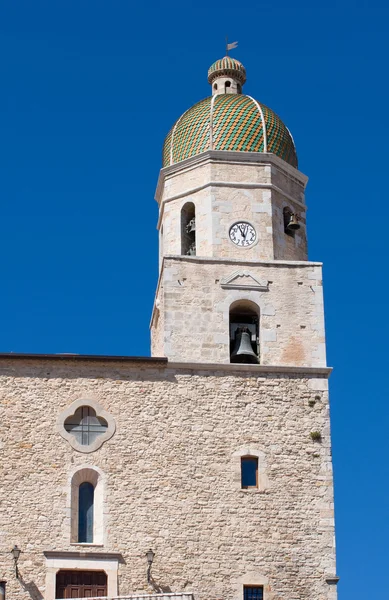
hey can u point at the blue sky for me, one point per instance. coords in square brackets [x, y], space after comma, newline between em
[89, 90]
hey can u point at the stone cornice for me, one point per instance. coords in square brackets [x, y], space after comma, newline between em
[231, 158]
[251, 263]
[253, 369]
[53, 554]
[163, 362]
[153, 361]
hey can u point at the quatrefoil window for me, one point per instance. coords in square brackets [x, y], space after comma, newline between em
[85, 425]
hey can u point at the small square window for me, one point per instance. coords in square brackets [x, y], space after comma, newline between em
[252, 592]
[249, 472]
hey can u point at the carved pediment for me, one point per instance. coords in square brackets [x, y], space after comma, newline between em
[243, 280]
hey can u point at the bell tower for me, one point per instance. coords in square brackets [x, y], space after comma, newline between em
[235, 282]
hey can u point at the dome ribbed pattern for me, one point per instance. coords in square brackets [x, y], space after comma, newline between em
[233, 122]
[237, 125]
[227, 66]
[190, 135]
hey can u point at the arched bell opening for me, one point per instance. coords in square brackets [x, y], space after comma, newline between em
[291, 224]
[244, 332]
[227, 87]
[188, 229]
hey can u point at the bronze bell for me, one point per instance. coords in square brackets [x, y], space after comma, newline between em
[243, 351]
[191, 227]
[293, 224]
[192, 250]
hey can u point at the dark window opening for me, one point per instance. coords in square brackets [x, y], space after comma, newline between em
[249, 472]
[227, 85]
[239, 88]
[251, 592]
[244, 333]
[2, 590]
[188, 229]
[215, 86]
[86, 494]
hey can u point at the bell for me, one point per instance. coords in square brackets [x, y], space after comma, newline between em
[243, 351]
[191, 227]
[293, 224]
[192, 250]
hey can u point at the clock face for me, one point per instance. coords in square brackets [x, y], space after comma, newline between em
[243, 234]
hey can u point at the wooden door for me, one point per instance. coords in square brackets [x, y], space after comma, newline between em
[81, 584]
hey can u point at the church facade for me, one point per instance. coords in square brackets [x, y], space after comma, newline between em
[203, 471]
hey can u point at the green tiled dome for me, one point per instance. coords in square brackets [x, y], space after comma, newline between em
[233, 122]
[227, 66]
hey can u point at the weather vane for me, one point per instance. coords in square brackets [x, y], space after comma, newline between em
[230, 46]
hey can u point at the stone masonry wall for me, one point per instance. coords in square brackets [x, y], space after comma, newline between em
[197, 305]
[172, 476]
[228, 191]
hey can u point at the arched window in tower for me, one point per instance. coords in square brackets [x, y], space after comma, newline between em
[239, 88]
[188, 229]
[244, 332]
[215, 86]
[291, 221]
[227, 86]
[86, 492]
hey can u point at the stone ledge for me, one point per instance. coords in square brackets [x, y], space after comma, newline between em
[158, 360]
[252, 369]
[53, 554]
[172, 596]
[253, 263]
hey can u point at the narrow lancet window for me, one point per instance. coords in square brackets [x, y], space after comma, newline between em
[86, 504]
[249, 472]
[86, 493]
[188, 229]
